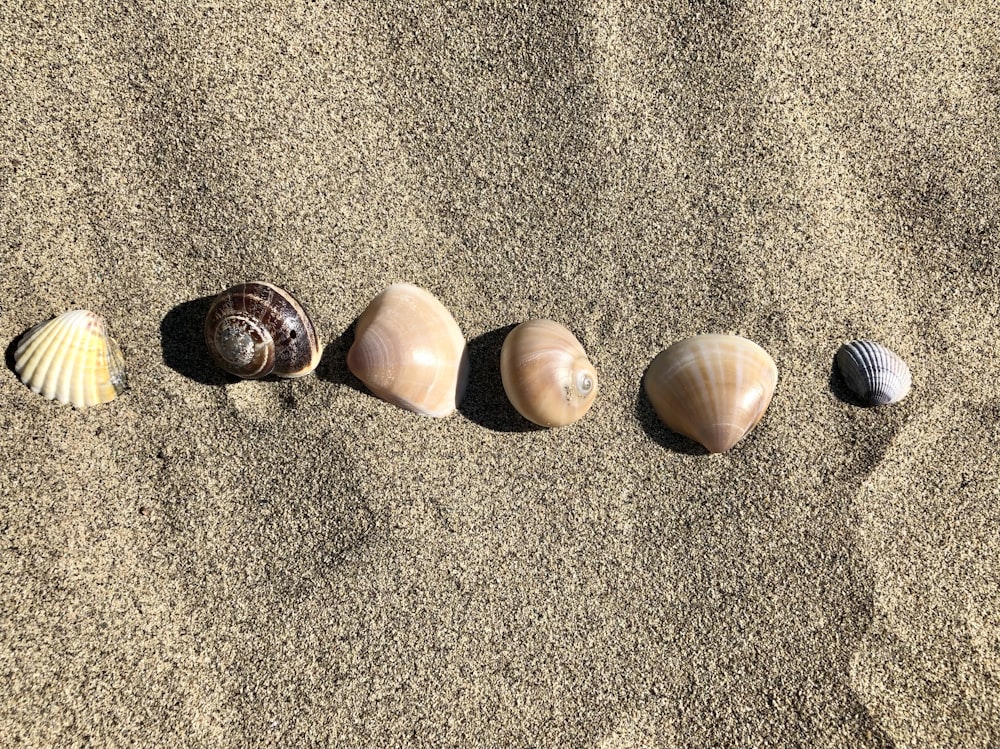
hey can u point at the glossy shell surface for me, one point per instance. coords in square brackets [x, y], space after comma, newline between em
[256, 329]
[712, 388]
[877, 375]
[409, 351]
[546, 373]
[72, 359]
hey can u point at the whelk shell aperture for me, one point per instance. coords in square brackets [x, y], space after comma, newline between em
[72, 359]
[409, 351]
[712, 388]
[256, 329]
[873, 372]
[546, 373]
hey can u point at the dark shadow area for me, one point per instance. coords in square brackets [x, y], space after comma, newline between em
[333, 365]
[485, 401]
[9, 353]
[182, 336]
[660, 432]
[838, 386]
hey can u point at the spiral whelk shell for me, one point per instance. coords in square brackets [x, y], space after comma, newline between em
[546, 373]
[873, 372]
[408, 350]
[72, 359]
[712, 388]
[256, 329]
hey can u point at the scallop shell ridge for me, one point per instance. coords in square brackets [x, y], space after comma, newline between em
[876, 374]
[72, 359]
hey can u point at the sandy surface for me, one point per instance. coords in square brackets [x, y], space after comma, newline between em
[206, 562]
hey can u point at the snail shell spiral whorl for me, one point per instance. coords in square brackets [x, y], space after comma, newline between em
[256, 329]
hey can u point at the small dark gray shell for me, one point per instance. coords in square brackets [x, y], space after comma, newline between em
[874, 373]
[256, 329]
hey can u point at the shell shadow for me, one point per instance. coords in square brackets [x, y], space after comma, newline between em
[333, 364]
[485, 401]
[182, 337]
[8, 356]
[838, 386]
[659, 432]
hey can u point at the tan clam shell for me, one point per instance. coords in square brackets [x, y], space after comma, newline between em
[71, 359]
[546, 373]
[409, 351]
[712, 388]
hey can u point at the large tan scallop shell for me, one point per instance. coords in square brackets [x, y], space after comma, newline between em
[71, 359]
[409, 351]
[712, 388]
[546, 373]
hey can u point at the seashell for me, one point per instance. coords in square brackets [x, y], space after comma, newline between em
[546, 373]
[71, 359]
[409, 351]
[256, 329]
[874, 373]
[712, 388]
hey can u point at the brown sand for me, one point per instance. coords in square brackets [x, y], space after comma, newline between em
[210, 563]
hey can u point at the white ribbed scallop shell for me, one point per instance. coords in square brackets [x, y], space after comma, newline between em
[873, 372]
[712, 388]
[71, 359]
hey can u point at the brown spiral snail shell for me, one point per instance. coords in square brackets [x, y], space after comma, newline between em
[256, 329]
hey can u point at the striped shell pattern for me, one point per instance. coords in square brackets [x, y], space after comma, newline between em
[71, 359]
[877, 375]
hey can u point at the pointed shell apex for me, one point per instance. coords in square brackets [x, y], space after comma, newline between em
[72, 359]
